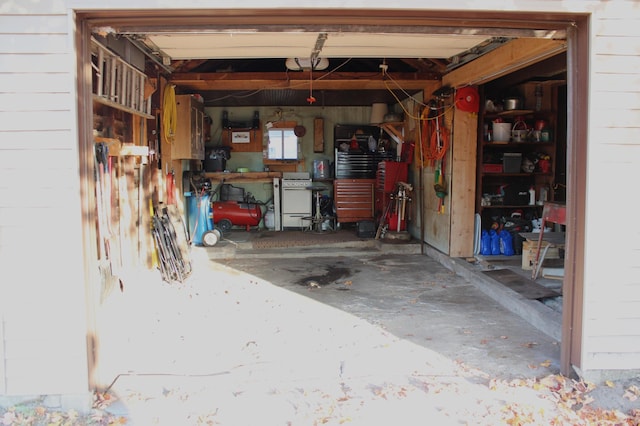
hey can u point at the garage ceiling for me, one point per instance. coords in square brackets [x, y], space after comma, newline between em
[243, 65]
[247, 45]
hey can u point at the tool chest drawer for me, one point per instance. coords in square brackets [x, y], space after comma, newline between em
[354, 199]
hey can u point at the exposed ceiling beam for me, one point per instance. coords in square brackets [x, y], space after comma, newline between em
[299, 80]
[510, 57]
[426, 65]
[187, 65]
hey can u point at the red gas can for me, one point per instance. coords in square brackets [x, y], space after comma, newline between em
[229, 213]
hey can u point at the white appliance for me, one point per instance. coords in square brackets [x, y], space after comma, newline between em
[295, 199]
[276, 205]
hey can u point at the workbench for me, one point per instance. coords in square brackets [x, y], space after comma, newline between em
[245, 177]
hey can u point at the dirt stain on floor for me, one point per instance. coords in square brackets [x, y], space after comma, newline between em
[331, 275]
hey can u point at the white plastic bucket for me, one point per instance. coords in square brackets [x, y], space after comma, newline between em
[501, 132]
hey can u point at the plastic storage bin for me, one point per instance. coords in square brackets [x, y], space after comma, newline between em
[511, 162]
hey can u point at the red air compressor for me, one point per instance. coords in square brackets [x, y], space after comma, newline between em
[229, 213]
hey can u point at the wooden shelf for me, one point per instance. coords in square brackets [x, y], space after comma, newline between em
[500, 206]
[514, 112]
[492, 174]
[247, 177]
[516, 144]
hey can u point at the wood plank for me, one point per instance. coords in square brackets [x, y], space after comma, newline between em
[128, 212]
[463, 183]
[37, 82]
[27, 63]
[243, 177]
[114, 214]
[524, 286]
[33, 24]
[34, 43]
[3, 377]
[129, 149]
[510, 57]
[297, 80]
[20, 120]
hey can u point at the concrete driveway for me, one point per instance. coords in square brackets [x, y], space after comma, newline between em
[368, 339]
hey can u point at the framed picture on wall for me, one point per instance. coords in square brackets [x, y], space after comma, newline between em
[240, 137]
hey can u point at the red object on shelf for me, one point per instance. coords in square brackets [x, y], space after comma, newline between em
[492, 168]
[545, 166]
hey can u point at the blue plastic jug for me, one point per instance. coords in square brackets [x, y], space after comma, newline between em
[506, 243]
[485, 243]
[495, 242]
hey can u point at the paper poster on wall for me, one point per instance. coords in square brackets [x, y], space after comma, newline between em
[240, 137]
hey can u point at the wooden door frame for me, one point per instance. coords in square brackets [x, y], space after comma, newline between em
[578, 38]
[577, 137]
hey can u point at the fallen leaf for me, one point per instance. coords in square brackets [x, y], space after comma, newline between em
[529, 344]
[610, 384]
[545, 363]
[484, 341]
[348, 282]
[632, 393]
[504, 337]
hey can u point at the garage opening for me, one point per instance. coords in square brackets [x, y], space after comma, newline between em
[236, 74]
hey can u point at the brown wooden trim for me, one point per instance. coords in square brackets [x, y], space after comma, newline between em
[297, 80]
[167, 19]
[577, 115]
[416, 21]
[88, 200]
[510, 57]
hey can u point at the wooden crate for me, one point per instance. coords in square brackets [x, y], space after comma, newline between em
[529, 253]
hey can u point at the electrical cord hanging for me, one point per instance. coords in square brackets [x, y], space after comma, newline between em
[169, 113]
[435, 138]
[288, 86]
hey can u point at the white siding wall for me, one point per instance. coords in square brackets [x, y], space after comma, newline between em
[42, 303]
[42, 299]
[612, 273]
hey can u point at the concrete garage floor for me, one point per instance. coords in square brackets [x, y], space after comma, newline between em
[348, 333]
[411, 295]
